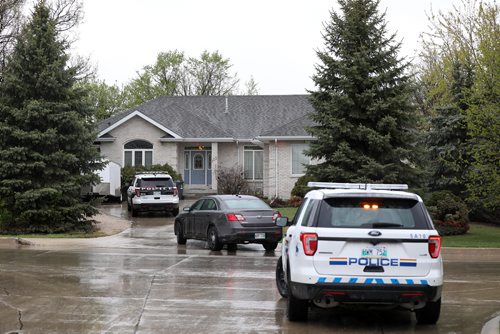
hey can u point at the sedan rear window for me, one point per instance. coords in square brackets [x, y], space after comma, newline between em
[158, 182]
[246, 203]
[394, 213]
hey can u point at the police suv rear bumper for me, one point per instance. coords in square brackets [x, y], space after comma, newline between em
[367, 293]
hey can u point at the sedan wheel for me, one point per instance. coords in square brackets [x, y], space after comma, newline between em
[213, 239]
[270, 246]
[181, 239]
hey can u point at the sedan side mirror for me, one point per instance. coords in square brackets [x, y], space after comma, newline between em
[282, 221]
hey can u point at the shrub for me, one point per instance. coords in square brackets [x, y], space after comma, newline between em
[449, 213]
[278, 202]
[231, 181]
[295, 201]
[300, 188]
[129, 172]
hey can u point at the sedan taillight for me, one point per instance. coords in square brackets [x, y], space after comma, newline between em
[309, 243]
[434, 246]
[234, 217]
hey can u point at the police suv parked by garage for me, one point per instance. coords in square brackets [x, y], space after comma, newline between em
[361, 244]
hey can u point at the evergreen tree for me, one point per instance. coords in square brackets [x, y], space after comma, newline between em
[46, 134]
[363, 110]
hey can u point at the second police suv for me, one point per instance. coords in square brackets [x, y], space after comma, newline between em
[361, 244]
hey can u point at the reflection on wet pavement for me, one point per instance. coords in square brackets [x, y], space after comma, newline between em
[141, 281]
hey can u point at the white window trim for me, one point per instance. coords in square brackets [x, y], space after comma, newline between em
[291, 160]
[143, 150]
[253, 150]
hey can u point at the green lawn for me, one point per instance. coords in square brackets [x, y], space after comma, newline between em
[482, 236]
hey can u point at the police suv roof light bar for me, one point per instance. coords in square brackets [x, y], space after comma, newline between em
[151, 172]
[360, 186]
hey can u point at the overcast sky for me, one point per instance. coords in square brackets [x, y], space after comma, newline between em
[272, 40]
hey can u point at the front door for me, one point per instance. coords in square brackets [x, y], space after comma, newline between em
[197, 167]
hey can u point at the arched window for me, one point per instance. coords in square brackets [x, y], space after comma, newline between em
[137, 153]
[198, 161]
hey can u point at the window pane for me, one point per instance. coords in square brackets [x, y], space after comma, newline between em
[186, 160]
[198, 161]
[148, 158]
[137, 158]
[138, 144]
[128, 158]
[248, 165]
[299, 159]
[258, 165]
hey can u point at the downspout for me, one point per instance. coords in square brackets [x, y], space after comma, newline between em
[238, 150]
[276, 167]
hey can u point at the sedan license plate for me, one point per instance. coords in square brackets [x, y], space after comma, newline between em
[260, 236]
[374, 252]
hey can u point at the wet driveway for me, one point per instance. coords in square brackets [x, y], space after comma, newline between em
[140, 281]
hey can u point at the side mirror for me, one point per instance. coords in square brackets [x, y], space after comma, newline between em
[282, 221]
[187, 209]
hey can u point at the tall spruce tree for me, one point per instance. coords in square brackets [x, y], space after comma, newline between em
[46, 134]
[363, 110]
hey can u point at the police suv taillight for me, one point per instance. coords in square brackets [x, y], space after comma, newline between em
[434, 246]
[309, 243]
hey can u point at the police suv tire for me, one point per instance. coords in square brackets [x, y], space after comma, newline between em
[280, 279]
[213, 239]
[181, 240]
[429, 314]
[270, 246]
[297, 309]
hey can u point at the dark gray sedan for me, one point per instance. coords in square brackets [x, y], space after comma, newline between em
[231, 220]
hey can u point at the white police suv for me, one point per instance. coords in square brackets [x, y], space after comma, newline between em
[361, 244]
[152, 191]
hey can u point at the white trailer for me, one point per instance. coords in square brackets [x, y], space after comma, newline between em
[109, 186]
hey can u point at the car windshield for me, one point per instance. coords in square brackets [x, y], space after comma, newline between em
[158, 182]
[246, 204]
[372, 213]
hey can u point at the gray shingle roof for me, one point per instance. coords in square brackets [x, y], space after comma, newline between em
[246, 117]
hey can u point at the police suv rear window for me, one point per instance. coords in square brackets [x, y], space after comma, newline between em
[156, 182]
[394, 213]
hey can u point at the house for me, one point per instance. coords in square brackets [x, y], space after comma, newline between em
[197, 135]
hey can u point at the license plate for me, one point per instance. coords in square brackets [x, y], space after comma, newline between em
[374, 252]
[260, 236]
[156, 193]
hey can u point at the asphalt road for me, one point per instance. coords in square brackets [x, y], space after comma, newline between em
[141, 281]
